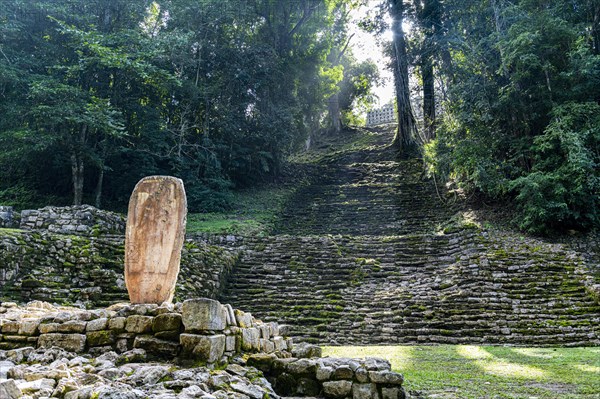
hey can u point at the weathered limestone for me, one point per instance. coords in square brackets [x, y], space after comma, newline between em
[198, 329]
[153, 239]
[9, 390]
[369, 378]
[69, 342]
[203, 314]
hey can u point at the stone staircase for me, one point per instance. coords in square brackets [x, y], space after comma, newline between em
[361, 256]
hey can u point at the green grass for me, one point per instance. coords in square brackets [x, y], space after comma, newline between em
[478, 372]
[254, 212]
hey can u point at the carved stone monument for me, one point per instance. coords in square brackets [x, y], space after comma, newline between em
[153, 239]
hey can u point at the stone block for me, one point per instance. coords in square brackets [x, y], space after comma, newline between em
[46, 328]
[72, 326]
[364, 391]
[100, 338]
[343, 372]
[337, 389]
[189, 341]
[156, 346]
[10, 327]
[210, 348]
[279, 343]
[117, 323]
[29, 327]
[274, 328]
[262, 361]
[267, 346]
[362, 375]
[386, 377]
[392, 393]
[97, 324]
[308, 387]
[69, 342]
[231, 343]
[285, 384]
[203, 314]
[231, 321]
[9, 390]
[324, 373]
[166, 322]
[244, 320]
[250, 339]
[284, 330]
[265, 331]
[139, 324]
[302, 367]
[172, 335]
[305, 350]
[377, 364]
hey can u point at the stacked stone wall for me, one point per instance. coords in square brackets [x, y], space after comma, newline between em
[88, 271]
[331, 377]
[199, 333]
[202, 329]
[469, 286]
[79, 219]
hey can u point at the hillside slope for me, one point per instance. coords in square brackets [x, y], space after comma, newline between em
[368, 253]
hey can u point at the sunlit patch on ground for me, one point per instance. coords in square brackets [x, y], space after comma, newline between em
[587, 368]
[507, 369]
[486, 372]
[534, 352]
[473, 352]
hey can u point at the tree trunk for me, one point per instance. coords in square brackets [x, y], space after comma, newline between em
[406, 133]
[428, 98]
[98, 193]
[596, 27]
[77, 169]
[333, 106]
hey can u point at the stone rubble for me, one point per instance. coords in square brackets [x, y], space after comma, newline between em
[195, 349]
[198, 328]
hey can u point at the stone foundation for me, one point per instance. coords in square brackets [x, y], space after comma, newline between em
[331, 377]
[202, 329]
[200, 345]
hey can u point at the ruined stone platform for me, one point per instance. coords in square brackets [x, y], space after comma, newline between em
[195, 349]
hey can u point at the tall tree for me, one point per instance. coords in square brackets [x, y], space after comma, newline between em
[404, 140]
[429, 21]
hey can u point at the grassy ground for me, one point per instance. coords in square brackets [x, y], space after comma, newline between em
[254, 212]
[480, 372]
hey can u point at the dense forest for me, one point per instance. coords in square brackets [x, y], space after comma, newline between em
[96, 94]
[499, 97]
[519, 86]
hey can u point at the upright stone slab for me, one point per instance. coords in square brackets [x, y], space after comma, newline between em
[153, 239]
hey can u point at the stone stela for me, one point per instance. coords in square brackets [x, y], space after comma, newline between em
[154, 238]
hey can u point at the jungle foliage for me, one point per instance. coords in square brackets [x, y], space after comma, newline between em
[517, 92]
[96, 94]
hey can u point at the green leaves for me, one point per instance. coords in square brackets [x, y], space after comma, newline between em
[563, 189]
[521, 120]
